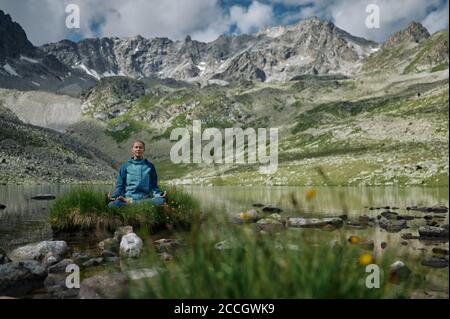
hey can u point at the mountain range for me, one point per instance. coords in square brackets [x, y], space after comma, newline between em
[343, 104]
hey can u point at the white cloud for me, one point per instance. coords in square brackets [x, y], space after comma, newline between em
[437, 20]
[252, 19]
[205, 20]
[350, 15]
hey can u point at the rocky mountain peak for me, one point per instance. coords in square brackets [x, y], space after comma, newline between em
[13, 39]
[414, 32]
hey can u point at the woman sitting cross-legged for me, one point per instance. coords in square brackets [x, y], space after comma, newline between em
[137, 181]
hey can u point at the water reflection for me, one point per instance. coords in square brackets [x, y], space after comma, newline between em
[328, 200]
[25, 220]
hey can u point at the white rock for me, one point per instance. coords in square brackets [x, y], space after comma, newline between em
[130, 245]
[39, 250]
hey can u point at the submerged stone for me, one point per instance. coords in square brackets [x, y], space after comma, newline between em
[39, 250]
[314, 222]
[433, 232]
[436, 262]
[43, 197]
[21, 277]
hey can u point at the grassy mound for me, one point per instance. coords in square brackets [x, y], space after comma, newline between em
[85, 208]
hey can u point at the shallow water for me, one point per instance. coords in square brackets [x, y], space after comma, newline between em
[25, 220]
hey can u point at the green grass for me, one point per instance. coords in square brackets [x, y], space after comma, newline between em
[84, 208]
[440, 67]
[266, 265]
[426, 50]
[133, 127]
[147, 102]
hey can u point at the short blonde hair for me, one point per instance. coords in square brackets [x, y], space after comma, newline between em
[138, 141]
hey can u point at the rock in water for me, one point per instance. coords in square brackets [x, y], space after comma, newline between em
[56, 286]
[130, 246]
[433, 232]
[436, 262]
[39, 250]
[21, 277]
[44, 197]
[392, 225]
[60, 267]
[2, 206]
[314, 222]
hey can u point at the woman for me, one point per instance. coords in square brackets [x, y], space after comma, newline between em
[137, 181]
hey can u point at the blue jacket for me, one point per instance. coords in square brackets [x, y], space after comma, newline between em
[138, 180]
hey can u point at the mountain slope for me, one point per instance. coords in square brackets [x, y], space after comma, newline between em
[30, 154]
[410, 50]
[25, 67]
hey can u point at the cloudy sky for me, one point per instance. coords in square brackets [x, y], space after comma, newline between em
[205, 20]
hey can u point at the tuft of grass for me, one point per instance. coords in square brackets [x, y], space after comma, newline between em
[84, 209]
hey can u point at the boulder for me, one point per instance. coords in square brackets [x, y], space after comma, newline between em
[122, 231]
[50, 259]
[314, 222]
[21, 277]
[130, 246]
[44, 197]
[433, 232]
[436, 262]
[55, 283]
[389, 215]
[60, 267]
[39, 250]
[168, 245]
[392, 225]
[2, 206]
[104, 286]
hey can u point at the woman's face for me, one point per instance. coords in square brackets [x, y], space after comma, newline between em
[138, 150]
